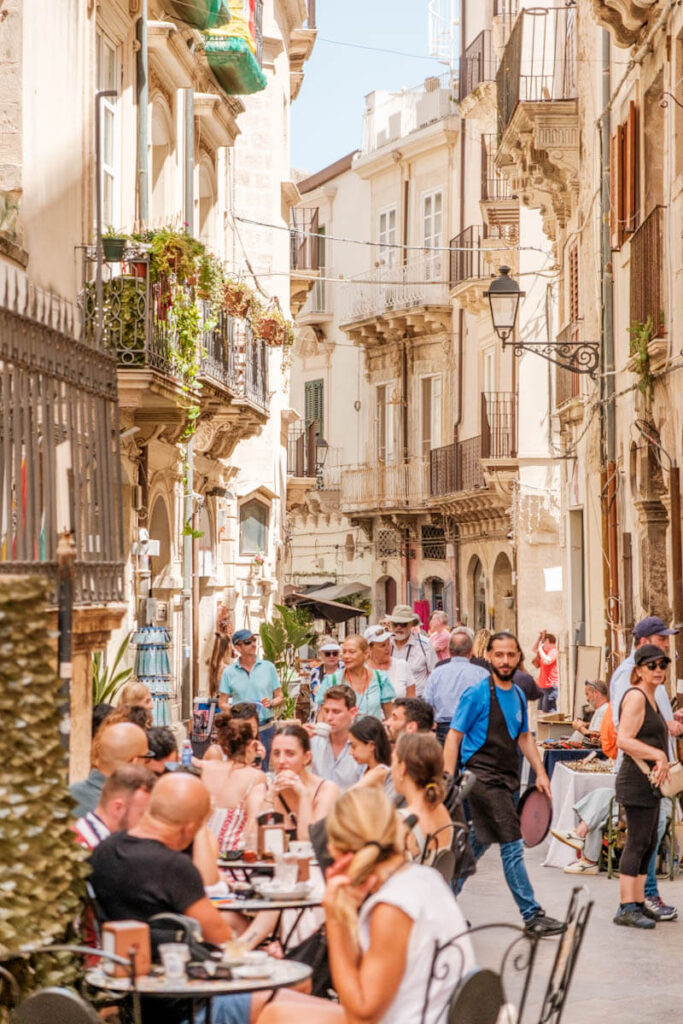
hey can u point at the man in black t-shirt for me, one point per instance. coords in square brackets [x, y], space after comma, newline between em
[144, 872]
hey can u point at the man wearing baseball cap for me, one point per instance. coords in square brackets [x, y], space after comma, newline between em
[380, 657]
[254, 680]
[650, 630]
[410, 647]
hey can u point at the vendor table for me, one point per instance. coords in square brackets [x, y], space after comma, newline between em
[567, 787]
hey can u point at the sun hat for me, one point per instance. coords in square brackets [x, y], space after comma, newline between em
[404, 614]
[376, 634]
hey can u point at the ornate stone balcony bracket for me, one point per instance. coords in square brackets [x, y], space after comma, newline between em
[627, 20]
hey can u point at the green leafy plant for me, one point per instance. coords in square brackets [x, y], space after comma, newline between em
[112, 232]
[107, 681]
[175, 254]
[641, 336]
[238, 298]
[281, 641]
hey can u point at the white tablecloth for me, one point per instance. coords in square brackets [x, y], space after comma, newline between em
[567, 787]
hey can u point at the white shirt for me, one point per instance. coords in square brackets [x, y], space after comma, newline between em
[593, 725]
[420, 656]
[342, 770]
[400, 676]
[421, 893]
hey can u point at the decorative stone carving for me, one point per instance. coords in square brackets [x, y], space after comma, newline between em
[627, 20]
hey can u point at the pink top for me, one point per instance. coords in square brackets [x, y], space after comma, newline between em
[548, 674]
[439, 640]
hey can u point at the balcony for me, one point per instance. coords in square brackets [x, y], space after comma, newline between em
[629, 21]
[381, 488]
[390, 116]
[469, 274]
[499, 205]
[498, 425]
[301, 43]
[456, 467]
[317, 309]
[304, 255]
[538, 113]
[201, 14]
[301, 454]
[477, 77]
[395, 301]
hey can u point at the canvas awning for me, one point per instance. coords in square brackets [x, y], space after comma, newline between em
[338, 591]
[333, 611]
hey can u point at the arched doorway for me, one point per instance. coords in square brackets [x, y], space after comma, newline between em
[385, 596]
[503, 598]
[478, 594]
[434, 593]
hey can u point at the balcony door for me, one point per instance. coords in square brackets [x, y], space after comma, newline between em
[431, 414]
[385, 433]
[432, 233]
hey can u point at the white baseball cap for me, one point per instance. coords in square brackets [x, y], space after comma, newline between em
[376, 634]
[329, 645]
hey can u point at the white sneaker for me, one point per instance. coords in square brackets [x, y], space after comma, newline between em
[581, 867]
[570, 838]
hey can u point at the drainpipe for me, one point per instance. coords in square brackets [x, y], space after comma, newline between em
[142, 88]
[188, 192]
[188, 489]
[609, 486]
[404, 450]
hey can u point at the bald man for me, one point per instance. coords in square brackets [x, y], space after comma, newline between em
[144, 872]
[114, 746]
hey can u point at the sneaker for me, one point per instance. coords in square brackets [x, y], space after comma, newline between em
[656, 909]
[542, 925]
[631, 916]
[570, 838]
[581, 867]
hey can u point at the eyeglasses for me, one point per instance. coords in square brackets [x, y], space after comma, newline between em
[246, 643]
[400, 625]
[660, 663]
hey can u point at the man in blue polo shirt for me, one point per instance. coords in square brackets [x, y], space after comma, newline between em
[255, 681]
[489, 725]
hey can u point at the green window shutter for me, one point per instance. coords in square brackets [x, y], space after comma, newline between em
[314, 409]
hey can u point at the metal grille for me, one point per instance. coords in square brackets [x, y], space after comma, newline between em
[647, 272]
[466, 257]
[539, 62]
[256, 368]
[498, 425]
[493, 184]
[301, 461]
[387, 544]
[433, 542]
[56, 390]
[456, 467]
[477, 65]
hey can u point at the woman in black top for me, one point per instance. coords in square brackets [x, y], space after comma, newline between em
[642, 736]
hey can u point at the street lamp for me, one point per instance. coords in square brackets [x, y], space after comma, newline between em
[504, 295]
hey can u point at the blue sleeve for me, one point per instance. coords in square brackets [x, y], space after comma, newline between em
[225, 685]
[469, 709]
[525, 712]
[326, 683]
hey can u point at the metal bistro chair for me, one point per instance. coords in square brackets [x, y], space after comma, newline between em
[59, 1004]
[446, 858]
[484, 994]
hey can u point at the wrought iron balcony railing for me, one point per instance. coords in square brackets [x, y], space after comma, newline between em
[539, 62]
[478, 64]
[383, 486]
[466, 259]
[393, 115]
[421, 282]
[304, 240]
[456, 467]
[301, 454]
[493, 185]
[498, 425]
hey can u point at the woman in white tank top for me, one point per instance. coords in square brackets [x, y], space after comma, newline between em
[381, 956]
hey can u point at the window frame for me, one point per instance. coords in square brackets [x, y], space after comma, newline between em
[244, 553]
[110, 108]
[387, 244]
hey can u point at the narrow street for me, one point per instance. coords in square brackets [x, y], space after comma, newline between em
[622, 974]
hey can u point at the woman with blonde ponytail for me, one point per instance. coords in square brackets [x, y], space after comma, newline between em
[384, 916]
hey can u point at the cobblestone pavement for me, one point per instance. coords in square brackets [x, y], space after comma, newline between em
[623, 976]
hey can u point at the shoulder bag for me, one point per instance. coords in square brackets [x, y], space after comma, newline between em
[673, 786]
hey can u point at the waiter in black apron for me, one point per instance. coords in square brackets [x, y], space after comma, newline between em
[489, 725]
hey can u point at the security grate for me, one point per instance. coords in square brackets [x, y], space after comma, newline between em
[433, 542]
[387, 544]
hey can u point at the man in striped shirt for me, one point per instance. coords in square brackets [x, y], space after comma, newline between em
[122, 803]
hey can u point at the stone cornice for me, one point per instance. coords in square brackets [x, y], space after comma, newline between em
[627, 20]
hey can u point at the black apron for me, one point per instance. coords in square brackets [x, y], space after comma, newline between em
[496, 767]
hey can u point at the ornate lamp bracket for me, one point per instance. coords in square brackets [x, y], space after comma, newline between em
[577, 356]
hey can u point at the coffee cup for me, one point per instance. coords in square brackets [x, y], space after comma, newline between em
[322, 729]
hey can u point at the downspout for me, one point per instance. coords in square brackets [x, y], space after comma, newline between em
[188, 482]
[142, 89]
[461, 347]
[404, 453]
[609, 478]
[188, 189]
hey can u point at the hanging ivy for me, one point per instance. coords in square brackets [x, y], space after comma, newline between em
[641, 336]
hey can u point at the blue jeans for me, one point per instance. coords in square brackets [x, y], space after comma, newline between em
[232, 1009]
[651, 887]
[548, 699]
[514, 869]
[266, 733]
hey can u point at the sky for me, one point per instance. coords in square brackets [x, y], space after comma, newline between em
[327, 114]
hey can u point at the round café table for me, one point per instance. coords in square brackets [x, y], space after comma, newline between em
[284, 974]
[255, 906]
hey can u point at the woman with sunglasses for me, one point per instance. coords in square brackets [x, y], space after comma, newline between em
[643, 737]
[374, 692]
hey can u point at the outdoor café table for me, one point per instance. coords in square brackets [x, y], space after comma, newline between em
[284, 974]
[248, 867]
[568, 786]
[255, 906]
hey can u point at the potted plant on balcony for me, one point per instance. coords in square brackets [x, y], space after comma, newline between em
[175, 255]
[237, 298]
[113, 245]
[210, 283]
[271, 325]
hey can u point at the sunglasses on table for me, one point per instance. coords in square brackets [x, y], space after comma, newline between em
[659, 663]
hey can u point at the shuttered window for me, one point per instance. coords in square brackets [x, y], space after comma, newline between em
[313, 401]
[624, 179]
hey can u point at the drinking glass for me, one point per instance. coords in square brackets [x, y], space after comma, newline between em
[286, 870]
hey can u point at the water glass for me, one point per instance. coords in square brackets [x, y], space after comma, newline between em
[174, 957]
[286, 870]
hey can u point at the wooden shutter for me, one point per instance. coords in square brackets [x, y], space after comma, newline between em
[617, 187]
[313, 411]
[630, 160]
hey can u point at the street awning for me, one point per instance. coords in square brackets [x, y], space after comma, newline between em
[338, 591]
[333, 611]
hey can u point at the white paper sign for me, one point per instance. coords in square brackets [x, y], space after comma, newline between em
[553, 579]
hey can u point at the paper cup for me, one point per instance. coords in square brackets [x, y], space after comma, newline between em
[322, 729]
[174, 957]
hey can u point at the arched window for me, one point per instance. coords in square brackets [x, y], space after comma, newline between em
[253, 528]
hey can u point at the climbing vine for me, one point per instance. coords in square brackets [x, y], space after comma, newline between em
[641, 336]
